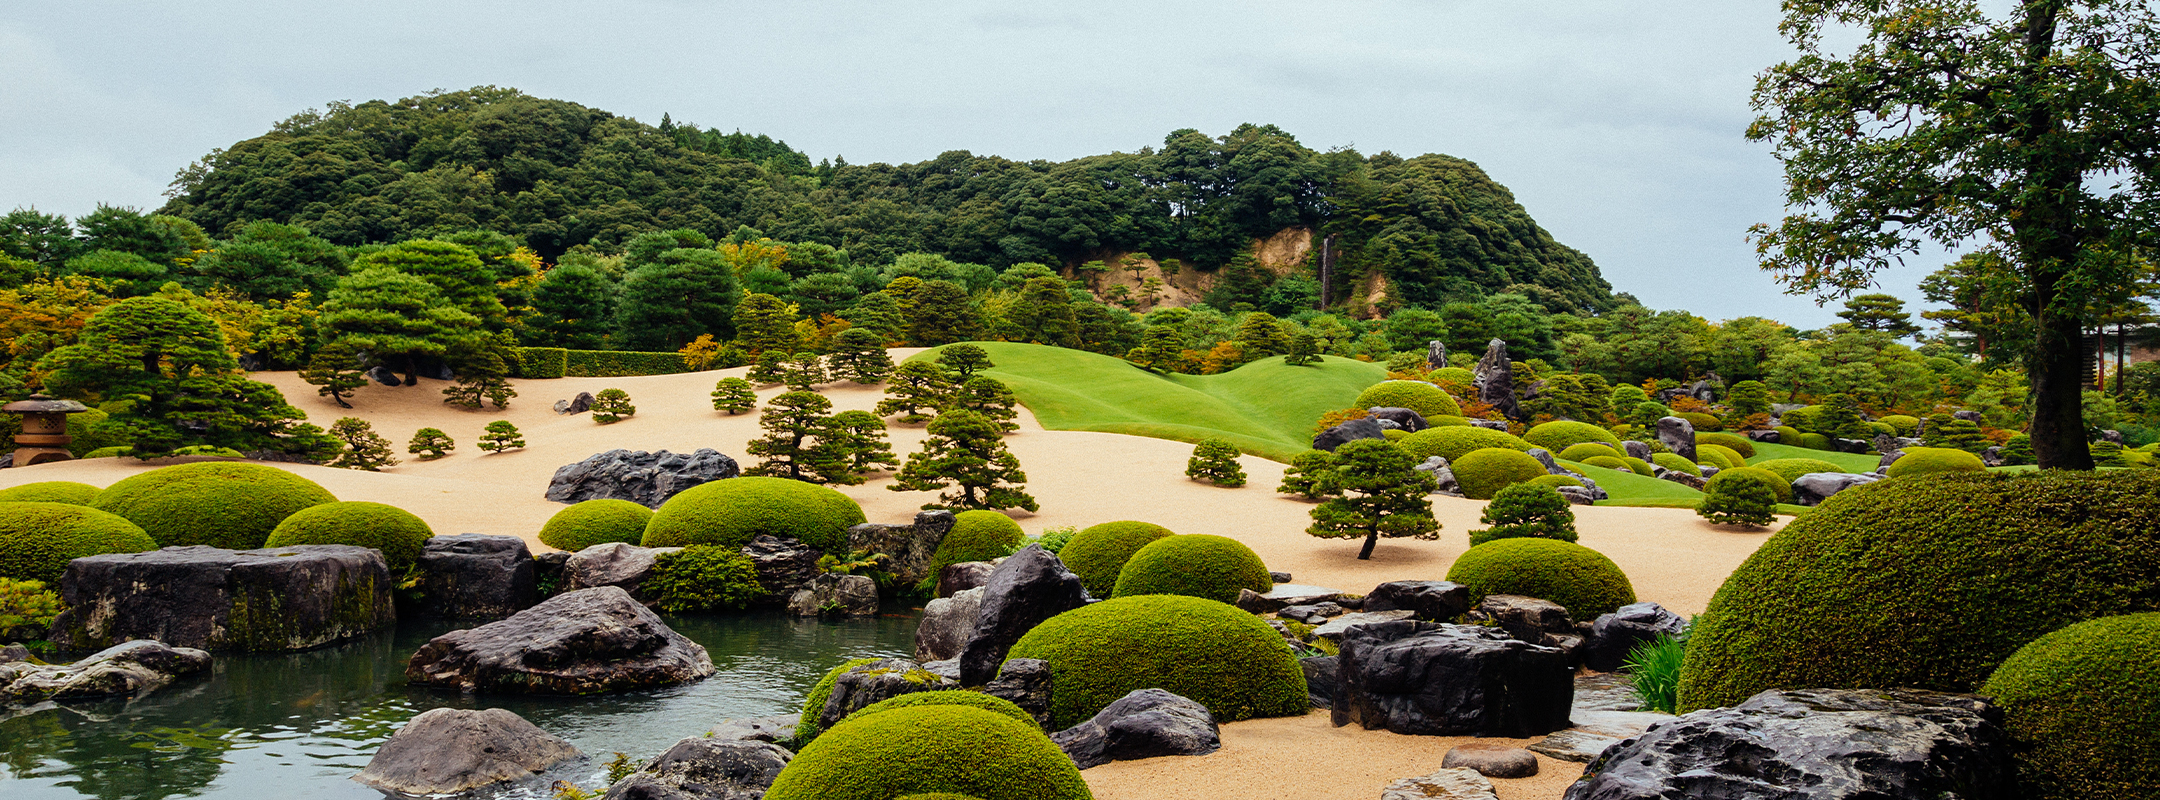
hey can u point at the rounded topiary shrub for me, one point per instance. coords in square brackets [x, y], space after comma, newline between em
[217, 503]
[592, 522]
[392, 530]
[1699, 421]
[1814, 441]
[1099, 553]
[1559, 435]
[976, 535]
[1455, 375]
[2083, 706]
[1589, 450]
[1931, 460]
[732, 512]
[1392, 434]
[1577, 577]
[944, 697]
[1213, 653]
[1788, 434]
[1483, 473]
[933, 748]
[69, 492]
[1641, 467]
[1792, 468]
[1777, 483]
[1731, 458]
[1674, 461]
[1903, 425]
[37, 540]
[1424, 398]
[1609, 462]
[1455, 442]
[1446, 421]
[1194, 565]
[1935, 579]
[1710, 457]
[1734, 442]
[1556, 481]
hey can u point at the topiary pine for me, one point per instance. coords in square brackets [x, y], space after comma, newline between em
[482, 373]
[732, 512]
[1526, 510]
[1309, 475]
[1198, 565]
[335, 372]
[1779, 486]
[501, 436]
[795, 445]
[37, 540]
[1099, 553]
[962, 361]
[611, 406]
[1950, 432]
[966, 452]
[1304, 350]
[1738, 502]
[2104, 454]
[989, 397]
[595, 522]
[931, 749]
[1375, 490]
[734, 396]
[1581, 579]
[430, 444]
[771, 368]
[859, 437]
[364, 449]
[859, 356]
[1215, 461]
[803, 371]
[1213, 653]
[1746, 399]
[2079, 691]
[2018, 451]
[395, 532]
[1559, 436]
[222, 504]
[916, 390]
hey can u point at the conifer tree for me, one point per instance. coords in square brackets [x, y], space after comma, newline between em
[335, 372]
[1375, 490]
[1260, 335]
[966, 455]
[962, 361]
[860, 437]
[734, 396]
[1044, 314]
[989, 397]
[430, 444]
[1310, 474]
[1526, 510]
[803, 371]
[364, 449]
[398, 319]
[1162, 349]
[859, 356]
[1304, 350]
[1944, 430]
[482, 373]
[795, 444]
[1748, 502]
[500, 436]
[880, 314]
[940, 315]
[611, 406]
[765, 323]
[770, 368]
[916, 390]
[1215, 461]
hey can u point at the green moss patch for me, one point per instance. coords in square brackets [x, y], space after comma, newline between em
[1559, 435]
[592, 522]
[69, 492]
[1483, 473]
[2085, 710]
[1455, 442]
[1212, 653]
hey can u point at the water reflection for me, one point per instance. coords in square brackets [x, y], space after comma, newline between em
[297, 726]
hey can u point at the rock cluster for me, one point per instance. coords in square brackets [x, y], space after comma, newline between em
[648, 479]
[130, 669]
[278, 599]
[583, 642]
[1365, 428]
[911, 548]
[474, 575]
[835, 595]
[1613, 636]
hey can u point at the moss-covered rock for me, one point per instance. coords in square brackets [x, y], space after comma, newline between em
[1424, 398]
[1194, 565]
[394, 531]
[1734, 442]
[1579, 578]
[814, 703]
[1792, 468]
[1212, 653]
[1559, 435]
[943, 697]
[1778, 484]
[1936, 580]
[217, 503]
[1932, 460]
[37, 540]
[950, 749]
[1483, 473]
[69, 492]
[1674, 461]
[1099, 553]
[976, 535]
[2084, 708]
[731, 512]
[592, 522]
[1456, 442]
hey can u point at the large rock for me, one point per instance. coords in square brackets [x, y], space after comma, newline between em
[476, 575]
[640, 477]
[1529, 619]
[618, 564]
[1451, 783]
[1364, 428]
[1614, 635]
[1433, 601]
[911, 548]
[130, 669]
[1334, 629]
[449, 750]
[947, 625]
[1695, 482]
[705, 768]
[1815, 487]
[384, 375]
[835, 595]
[1765, 437]
[576, 405]
[284, 598]
[784, 566]
[1283, 596]
[582, 642]
[1435, 354]
[1495, 379]
[1816, 744]
[1024, 682]
[1637, 449]
[1031, 586]
[956, 578]
[1144, 724]
[1444, 481]
[1492, 760]
[1322, 677]
[879, 680]
[1434, 679]
[1405, 419]
[1677, 435]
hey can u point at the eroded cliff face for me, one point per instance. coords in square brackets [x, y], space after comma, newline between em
[1283, 253]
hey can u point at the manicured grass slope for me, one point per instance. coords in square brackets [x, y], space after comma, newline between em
[1265, 408]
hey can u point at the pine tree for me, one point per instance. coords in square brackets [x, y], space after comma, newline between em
[795, 444]
[1162, 349]
[500, 436]
[396, 318]
[1840, 418]
[771, 368]
[880, 314]
[430, 444]
[962, 361]
[989, 397]
[1944, 430]
[940, 315]
[364, 449]
[917, 389]
[966, 453]
[1746, 399]
[1260, 335]
[335, 371]
[1526, 510]
[1748, 502]
[1044, 314]
[1215, 461]
[1304, 350]
[1376, 490]
[1310, 474]
[803, 371]
[765, 323]
[611, 406]
[734, 396]
[860, 437]
[859, 356]
[482, 373]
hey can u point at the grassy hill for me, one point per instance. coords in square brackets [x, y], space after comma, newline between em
[1266, 408]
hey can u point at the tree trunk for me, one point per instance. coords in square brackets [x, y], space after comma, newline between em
[1372, 537]
[2056, 371]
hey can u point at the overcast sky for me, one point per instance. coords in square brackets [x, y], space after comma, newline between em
[1618, 125]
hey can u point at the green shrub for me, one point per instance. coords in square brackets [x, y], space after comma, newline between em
[732, 512]
[1214, 654]
[1526, 510]
[1935, 579]
[1710, 457]
[83, 426]
[1455, 375]
[1392, 434]
[1881, 429]
[1553, 481]
[814, 703]
[1803, 419]
[1779, 486]
[1099, 553]
[596, 522]
[1215, 461]
[539, 362]
[394, 531]
[1674, 462]
[611, 406]
[1194, 565]
[1453, 443]
[1483, 473]
[1609, 462]
[1560, 435]
[2082, 704]
[1447, 421]
[616, 364]
[2106, 454]
[1055, 539]
[1700, 421]
[1641, 467]
[944, 697]
[218, 503]
[1901, 424]
[2019, 451]
[1653, 672]
[1788, 434]
[69, 492]
[1792, 468]
[109, 452]
[703, 578]
[37, 540]
[1424, 398]
[1815, 441]
[1734, 442]
[430, 444]
[950, 749]
[1931, 460]
[1589, 450]
[1579, 578]
[976, 535]
[1731, 456]
[1749, 502]
[27, 609]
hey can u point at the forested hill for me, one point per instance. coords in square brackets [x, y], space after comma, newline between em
[559, 175]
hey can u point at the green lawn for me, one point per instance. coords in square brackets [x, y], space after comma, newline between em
[1851, 462]
[1265, 408]
[1629, 489]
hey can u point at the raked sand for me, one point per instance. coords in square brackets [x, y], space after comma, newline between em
[1079, 478]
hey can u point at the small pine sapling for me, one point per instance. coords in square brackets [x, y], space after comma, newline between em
[794, 444]
[989, 397]
[364, 449]
[860, 437]
[430, 444]
[1304, 351]
[734, 396]
[611, 406]
[803, 371]
[770, 368]
[966, 452]
[1376, 490]
[1310, 475]
[916, 391]
[962, 361]
[1744, 502]
[1215, 461]
[1526, 510]
[335, 372]
[500, 436]
[859, 356]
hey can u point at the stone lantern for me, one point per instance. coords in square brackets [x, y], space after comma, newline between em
[44, 435]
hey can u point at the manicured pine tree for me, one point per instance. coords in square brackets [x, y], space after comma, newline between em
[916, 390]
[500, 436]
[1304, 350]
[1746, 502]
[966, 455]
[860, 437]
[1162, 349]
[962, 361]
[1944, 430]
[734, 396]
[1375, 490]
[765, 323]
[1746, 399]
[803, 371]
[859, 356]
[880, 314]
[430, 444]
[1311, 474]
[1044, 314]
[989, 397]
[364, 449]
[611, 406]
[1526, 510]
[396, 318]
[482, 372]
[335, 372]
[771, 368]
[795, 446]
[941, 315]
[1260, 335]
[1840, 418]
[1215, 461]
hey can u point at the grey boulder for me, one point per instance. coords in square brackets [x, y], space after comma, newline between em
[1815, 487]
[910, 549]
[1406, 420]
[879, 680]
[1428, 679]
[272, 600]
[947, 625]
[448, 750]
[476, 575]
[648, 479]
[1528, 619]
[1144, 724]
[784, 566]
[955, 578]
[1635, 449]
[1030, 587]
[1366, 428]
[618, 564]
[1433, 601]
[835, 595]
[1321, 679]
[1455, 783]
[575, 405]
[702, 768]
[583, 642]
[130, 669]
[1492, 760]
[1614, 635]
[1677, 435]
[1025, 682]
[1495, 379]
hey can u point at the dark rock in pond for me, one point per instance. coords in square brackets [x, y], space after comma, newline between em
[1347, 432]
[1677, 435]
[947, 625]
[1447, 784]
[1495, 380]
[575, 405]
[383, 375]
[876, 681]
[1637, 449]
[1405, 419]
[647, 479]
[623, 566]
[1529, 619]
[1433, 601]
[700, 768]
[1025, 682]
[273, 600]
[1815, 487]
[1613, 636]
[835, 595]
[1492, 760]
[1431, 679]
[582, 642]
[476, 575]
[1031, 586]
[775, 729]
[784, 566]
[1144, 724]
[1818, 744]
[912, 548]
[450, 750]
[130, 669]
[1321, 680]
[961, 577]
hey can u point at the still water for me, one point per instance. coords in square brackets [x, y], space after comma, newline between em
[297, 726]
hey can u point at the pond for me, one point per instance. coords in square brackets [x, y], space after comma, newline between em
[298, 726]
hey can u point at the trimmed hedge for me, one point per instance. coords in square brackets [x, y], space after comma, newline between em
[1792, 468]
[1588, 450]
[1447, 421]
[976, 535]
[1194, 565]
[1455, 375]
[934, 748]
[1099, 553]
[1210, 652]
[1732, 458]
[731, 512]
[541, 362]
[1561, 435]
[1579, 578]
[2082, 704]
[1641, 467]
[1483, 473]
[1788, 434]
[1455, 442]
[37, 540]
[1814, 441]
[1700, 421]
[1777, 483]
[943, 697]
[1424, 398]
[394, 531]
[806, 728]
[1936, 580]
[1674, 461]
[592, 522]
[69, 492]
[218, 503]
[1710, 457]
[1932, 460]
[1734, 442]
